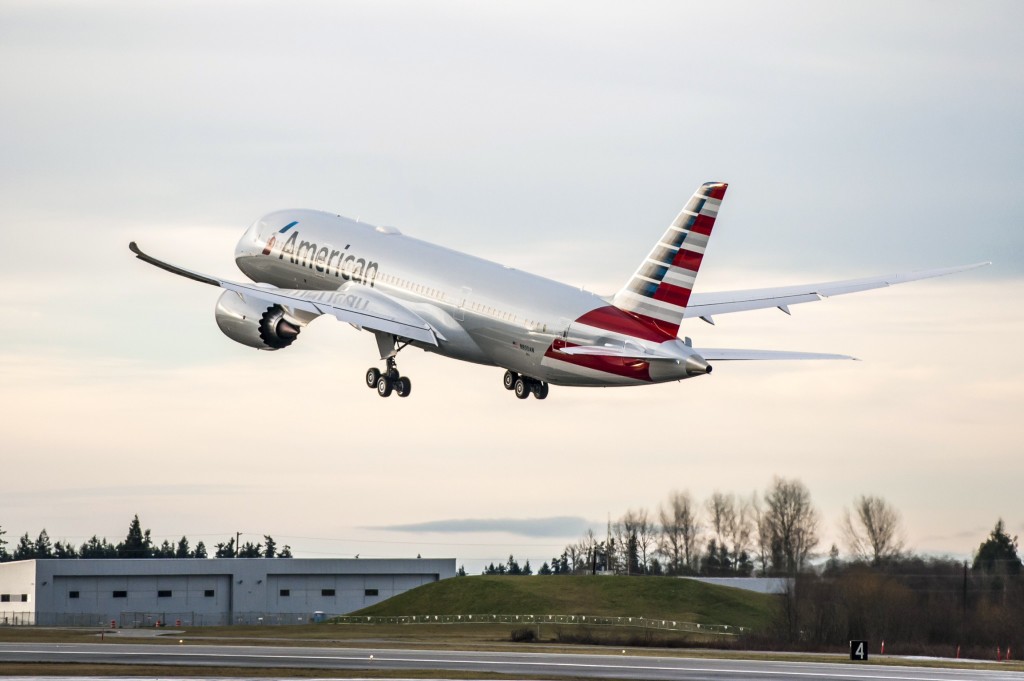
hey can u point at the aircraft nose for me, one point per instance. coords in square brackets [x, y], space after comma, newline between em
[697, 365]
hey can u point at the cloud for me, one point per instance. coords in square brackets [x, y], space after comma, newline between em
[557, 526]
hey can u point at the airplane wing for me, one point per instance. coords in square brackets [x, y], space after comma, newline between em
[356, 304]
[706, 305]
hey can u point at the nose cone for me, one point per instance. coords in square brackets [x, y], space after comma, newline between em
[697, 365]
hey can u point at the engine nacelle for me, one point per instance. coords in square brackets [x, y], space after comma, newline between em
[259, 325]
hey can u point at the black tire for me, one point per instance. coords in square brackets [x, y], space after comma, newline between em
[510, 380]
[403, 386]
[522, 388]
[540, 390]
[372, 374]
[384, 386]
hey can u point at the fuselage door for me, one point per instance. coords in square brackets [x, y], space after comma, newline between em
[462, 298]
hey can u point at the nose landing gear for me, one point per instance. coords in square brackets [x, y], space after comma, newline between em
[524, 386]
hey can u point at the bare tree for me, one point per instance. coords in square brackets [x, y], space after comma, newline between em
[872, 531]
[721, 514]
[793, 524]
[635, 536]
[645, 537]
[680, 532]
[741, 530]
[762, 533]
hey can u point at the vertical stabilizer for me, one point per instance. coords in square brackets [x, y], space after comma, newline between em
[660, 289]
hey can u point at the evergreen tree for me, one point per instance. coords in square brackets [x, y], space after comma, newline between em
[44, 549]
[633, 555]
[527, 570]
[744, 564]
[26, 549]
[286, 552]
[136, 544]
[4, 556]
[250, 550]
[832, 564]
[512, 567]
[166, 550]
[64, 550]
[998, 553]
[182, 550]
[97, 548]
[711, 565]
[271, 546]
[226, 549]
[461, 572]
[545, 569]
[200, 550]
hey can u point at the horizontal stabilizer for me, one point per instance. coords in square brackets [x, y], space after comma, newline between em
[706, 305]
[725, 355]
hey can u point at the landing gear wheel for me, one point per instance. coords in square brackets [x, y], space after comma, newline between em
[384, 386]
[522, 388]
[403, 386]
[510, 380]
[540, 390]
[372, 374]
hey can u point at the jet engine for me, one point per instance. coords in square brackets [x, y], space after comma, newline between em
[256, 323]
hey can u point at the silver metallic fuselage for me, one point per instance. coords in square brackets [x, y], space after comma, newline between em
[484, 312]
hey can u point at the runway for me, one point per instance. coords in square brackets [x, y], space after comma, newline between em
[519, 665]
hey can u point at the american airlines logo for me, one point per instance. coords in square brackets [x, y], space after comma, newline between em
[323, 258]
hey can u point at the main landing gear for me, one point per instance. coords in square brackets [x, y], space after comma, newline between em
[523, 386]
[389, 381]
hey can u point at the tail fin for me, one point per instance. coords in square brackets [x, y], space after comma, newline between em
[660, 289]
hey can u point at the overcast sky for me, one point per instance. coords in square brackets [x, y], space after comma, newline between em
[558, 138]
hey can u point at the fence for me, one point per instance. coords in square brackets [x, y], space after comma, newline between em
[135, 620]
[138, 620]
[589, 620]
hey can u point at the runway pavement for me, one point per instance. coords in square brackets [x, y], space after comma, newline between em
[519, 665]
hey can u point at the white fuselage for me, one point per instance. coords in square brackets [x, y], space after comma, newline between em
[484, 312]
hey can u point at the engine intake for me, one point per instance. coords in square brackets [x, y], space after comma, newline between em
[255, 323]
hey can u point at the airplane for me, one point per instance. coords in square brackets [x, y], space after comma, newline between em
[305, 264]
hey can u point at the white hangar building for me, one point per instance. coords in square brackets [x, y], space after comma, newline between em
[203, 591]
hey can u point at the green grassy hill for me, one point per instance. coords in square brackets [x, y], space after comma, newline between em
[651, 597]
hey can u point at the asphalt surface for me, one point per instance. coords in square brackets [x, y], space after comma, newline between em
[520, 665]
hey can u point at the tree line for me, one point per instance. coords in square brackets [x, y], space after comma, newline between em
[774, 533]
[879, 591]
[138, 543]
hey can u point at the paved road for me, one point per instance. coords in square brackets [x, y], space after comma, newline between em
[516, 664]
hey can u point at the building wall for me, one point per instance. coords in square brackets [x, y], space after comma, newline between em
[207, 591]
[17, 592]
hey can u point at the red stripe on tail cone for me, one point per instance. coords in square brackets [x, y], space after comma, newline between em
[613, 319]
[620, 366]
[718, 191]
[688, 260]
[672, 294]
[703, 225]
